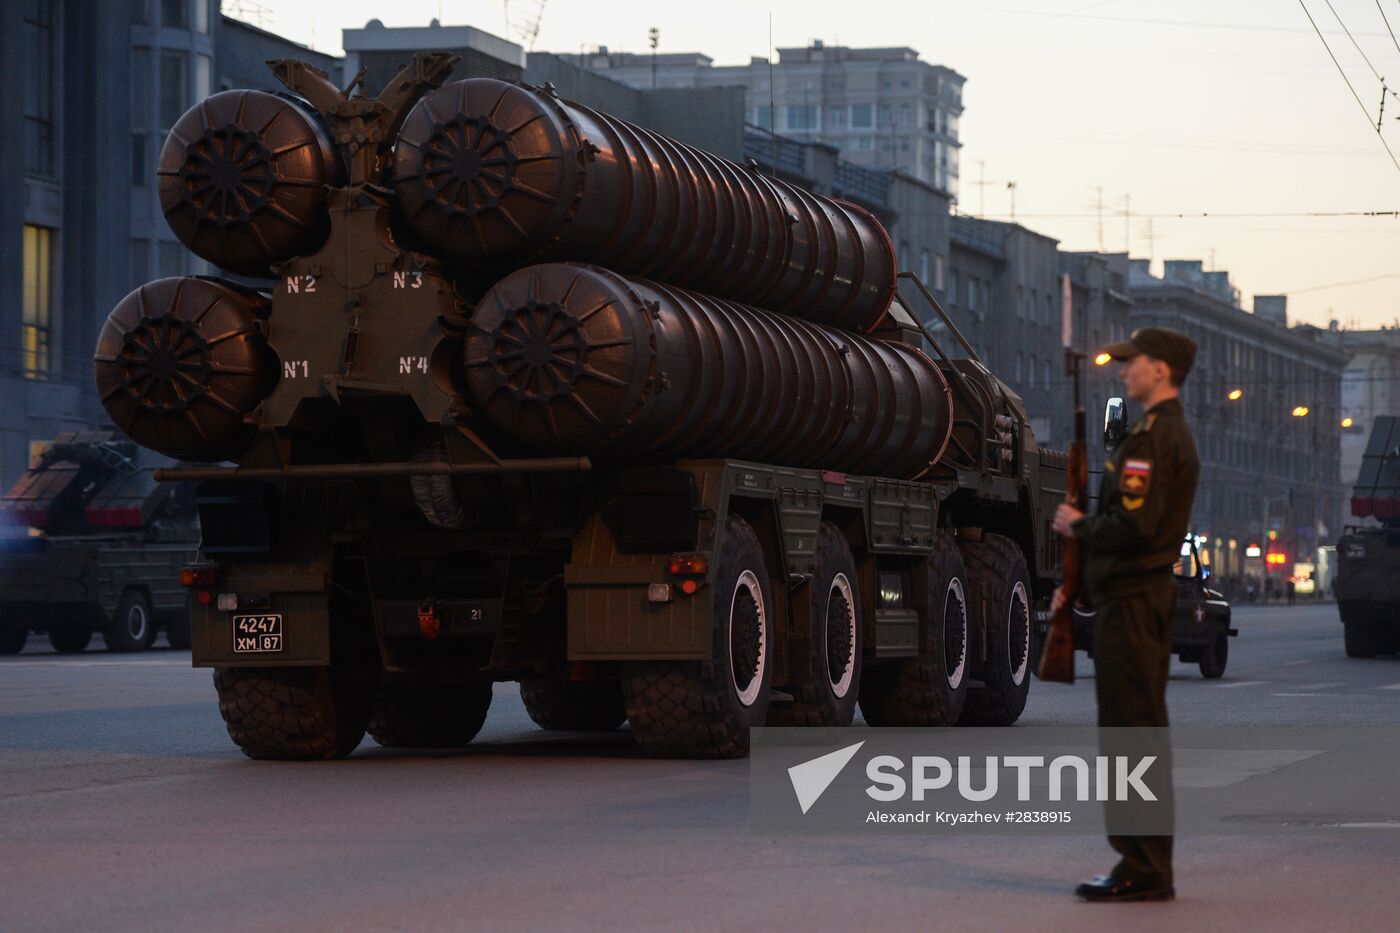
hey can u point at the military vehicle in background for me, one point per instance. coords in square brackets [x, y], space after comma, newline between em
[721, 476]
[96, 546]
[1201, 629]
[1368, 556]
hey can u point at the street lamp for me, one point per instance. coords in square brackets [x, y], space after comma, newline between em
[1236, 395]
[1301, 411]
[1102, 359]
[1347, 422]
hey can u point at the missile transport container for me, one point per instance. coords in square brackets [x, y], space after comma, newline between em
[95, 546]
[521, 392]
[1368, 556]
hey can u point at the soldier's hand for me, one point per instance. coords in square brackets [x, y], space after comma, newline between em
[1057, 600]
[1065, 516]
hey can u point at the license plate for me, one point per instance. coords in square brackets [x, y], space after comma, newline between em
[257, 633]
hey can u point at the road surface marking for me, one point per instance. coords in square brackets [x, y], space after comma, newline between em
[1295, 663]
[1240, 683]
[1307, 694]
[1330, 683]
[1389, 687]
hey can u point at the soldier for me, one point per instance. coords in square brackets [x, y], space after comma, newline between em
[1131, 541]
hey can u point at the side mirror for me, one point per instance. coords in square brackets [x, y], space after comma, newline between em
[1115, 423]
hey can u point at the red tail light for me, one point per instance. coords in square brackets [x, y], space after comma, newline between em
[33, 517]
[122, 517]
[683, 565]
[199, 575]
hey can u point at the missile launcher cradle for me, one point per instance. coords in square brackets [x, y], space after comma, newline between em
[95, 545]
[532, 394]
[1368, 556]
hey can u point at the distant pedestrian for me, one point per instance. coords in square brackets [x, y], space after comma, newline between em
[1292, 592]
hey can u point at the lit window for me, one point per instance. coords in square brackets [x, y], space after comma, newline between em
[37, 323]
[174, 78]
[172, 14]
[862, 116]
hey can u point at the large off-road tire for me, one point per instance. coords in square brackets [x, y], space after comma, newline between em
[574, 707]
[705, 709]
[1215, 656]
[12, 639]
[996, 567]
[1359, 639]
[930, 689]
[177, 632]
[133, 625]
[69, 639]
[835, 640]
[291, 713]
[432, 715]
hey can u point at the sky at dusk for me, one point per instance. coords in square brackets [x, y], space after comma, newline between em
[1231, 108]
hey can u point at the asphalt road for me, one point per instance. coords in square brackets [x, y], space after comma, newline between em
[124, 806]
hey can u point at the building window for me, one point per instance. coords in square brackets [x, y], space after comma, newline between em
[940, 267]
[802, 117]
[1030, 373]
[763, 117]
[174, 76]
[38, 83]
[172, 259]
[862, 116]
[201, 16]
[955, 289]
[172, 14]
[904, 115]
[923, 267]
[971, 294]
[140, 262]
[140, 12]
[1020, 366]
[836, 117]
[138, 160]
[886, 116]
[37, 321]
[203, 66]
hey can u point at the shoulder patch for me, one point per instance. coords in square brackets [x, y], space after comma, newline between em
[1110, 466]
[1136, 475]
[1132, 503]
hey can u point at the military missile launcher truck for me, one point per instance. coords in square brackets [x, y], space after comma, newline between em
[95, 545]
[1368, 556]
[532, 394]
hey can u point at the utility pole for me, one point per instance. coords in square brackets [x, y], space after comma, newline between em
[1127, 222]
[1098, 209]
[654, 37]
[1151, 242]
[1011, 186]
[981, 188]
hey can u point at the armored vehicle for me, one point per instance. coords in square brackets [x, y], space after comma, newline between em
[1368, 555]
[1201, 629]
[532, 394]
[103, 550]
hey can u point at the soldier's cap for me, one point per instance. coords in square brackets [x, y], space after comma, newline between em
[1170, 346]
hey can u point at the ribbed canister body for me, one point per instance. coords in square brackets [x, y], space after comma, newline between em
[507, 174]
[243, 180]
[182, 362]
[575, 358]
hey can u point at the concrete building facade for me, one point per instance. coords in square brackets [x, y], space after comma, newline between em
[879, 107]
[102, 82]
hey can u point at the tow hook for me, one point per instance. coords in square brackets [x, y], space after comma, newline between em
[429, 625]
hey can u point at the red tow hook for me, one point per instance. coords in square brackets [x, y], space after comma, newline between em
[428, 622]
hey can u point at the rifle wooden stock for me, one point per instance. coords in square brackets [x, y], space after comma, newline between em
[1057, 657]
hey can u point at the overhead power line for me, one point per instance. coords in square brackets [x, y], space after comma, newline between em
[1386, 20]
[1343, 73]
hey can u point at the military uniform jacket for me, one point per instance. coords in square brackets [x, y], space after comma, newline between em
[1134, 535]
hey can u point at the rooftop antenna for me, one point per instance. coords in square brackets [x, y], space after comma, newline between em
[772, 106]
[653, 37]
[1011, 186]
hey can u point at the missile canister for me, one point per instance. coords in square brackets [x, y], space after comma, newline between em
[181, 362]
[507, 175]
[574, 358]
[243, 179]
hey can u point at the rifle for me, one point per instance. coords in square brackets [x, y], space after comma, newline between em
[1057, 658]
